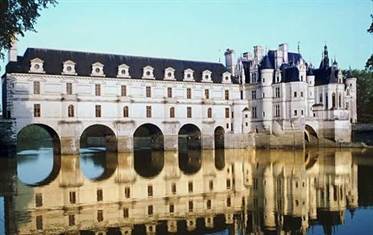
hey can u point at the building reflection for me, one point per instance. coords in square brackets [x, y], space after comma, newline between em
[241, 191]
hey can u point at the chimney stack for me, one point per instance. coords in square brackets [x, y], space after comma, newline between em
[12, 52]
[229, 54]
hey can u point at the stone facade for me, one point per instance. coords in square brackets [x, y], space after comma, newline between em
[270, 99]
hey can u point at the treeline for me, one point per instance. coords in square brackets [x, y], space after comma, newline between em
[364, 95]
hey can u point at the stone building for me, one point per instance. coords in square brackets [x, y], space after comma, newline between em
[269, 99]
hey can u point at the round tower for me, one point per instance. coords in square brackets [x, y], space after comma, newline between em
[266, 77]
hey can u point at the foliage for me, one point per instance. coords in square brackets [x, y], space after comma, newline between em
[364, 95]
[17, 17]
[369, 64]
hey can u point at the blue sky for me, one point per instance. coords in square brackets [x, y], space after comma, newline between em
[202, 30]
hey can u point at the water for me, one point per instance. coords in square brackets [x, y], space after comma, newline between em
[313, 191]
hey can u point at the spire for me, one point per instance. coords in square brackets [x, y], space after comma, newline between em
[298, 47]
[325, 59]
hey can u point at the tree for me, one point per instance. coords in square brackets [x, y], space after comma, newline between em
[17, 17]
[365, 94]
[369, 64]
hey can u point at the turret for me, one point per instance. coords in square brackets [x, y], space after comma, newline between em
[266, 71]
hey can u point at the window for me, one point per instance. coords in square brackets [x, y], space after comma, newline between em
[208, 204]
[150, 191]
[189, 93]
[99, 195]
[339, 101]
[228, 183]
[190, 206]
[127, 192]
[148, 111]
[123, 90]
[295, 112]
[172, 112]
[301, 94]
[126, 213]
[226, 112]
[71, 220]
[189, 112]
[207, 94]
[39, 222]
[150, 210]
[226, 94]
[72, 197]
[70, 110]
[253, 95]
[172, 208]
[69, 88]
[211, 185]
[301, 112]
[190, 186]
[241, 94]
[169, 92]
[320, 98]
[36, 87]
[277, 92]
[125, 111]
[37, 110]
[295, 94]
[277, 110]
[98, 110]
[100, 215]
[209, 113]
[253, 112]
[173, 188]
[38, 200]
[97, 89]
[148, 91]
[229, 202]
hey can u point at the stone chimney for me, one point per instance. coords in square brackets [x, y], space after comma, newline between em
[12, 52]
[258, 53]
[283, 52]
[229, 54]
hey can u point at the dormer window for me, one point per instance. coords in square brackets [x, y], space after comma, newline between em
[98, 70]
[169, 74]
[188, 75]
[69, 67]
[148, 72]
[227, 77]
[206, 76]
[123, 71]
[36, 66]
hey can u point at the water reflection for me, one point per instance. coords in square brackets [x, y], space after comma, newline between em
[234, 191]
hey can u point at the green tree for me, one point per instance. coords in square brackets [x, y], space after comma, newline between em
[17, 17]
[369, 64]
[364, 94]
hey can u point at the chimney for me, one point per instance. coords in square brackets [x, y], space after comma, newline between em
[283, 49]
[12, 52]
[229, 54]
[258, 54]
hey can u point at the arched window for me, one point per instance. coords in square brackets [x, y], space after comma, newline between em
[333, 100]
[209, 113]
[125, 111]
[70, 110]
[172, 112]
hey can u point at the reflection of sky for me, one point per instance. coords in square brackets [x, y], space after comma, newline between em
[361, 223]
[92, 163]
[34, 165]
[2, 219]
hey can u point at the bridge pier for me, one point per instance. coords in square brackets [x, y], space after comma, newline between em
[125, 144]
[170, 142]
[70, 145]
[208, 142]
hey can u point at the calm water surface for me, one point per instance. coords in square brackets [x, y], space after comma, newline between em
[324, 191]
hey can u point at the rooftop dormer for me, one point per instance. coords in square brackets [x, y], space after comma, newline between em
[68, 68]
[97, 70]
[148, 72]
[123, 71]
[36, 66]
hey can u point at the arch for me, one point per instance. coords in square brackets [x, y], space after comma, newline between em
[310, 135]
[148, 141]
[189, 145]
[99, 136]
[34, 136]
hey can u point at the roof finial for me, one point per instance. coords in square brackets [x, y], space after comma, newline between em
[298, 47]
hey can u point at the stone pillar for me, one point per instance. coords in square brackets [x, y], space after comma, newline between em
[126, 230]
[170, 142]
[125, 171]
[125, 144]
[70, 145]
[71, 176]
[172, 226]
[171, 165]
[208, 142]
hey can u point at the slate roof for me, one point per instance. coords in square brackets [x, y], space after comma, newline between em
[53, 63]
[326, 76]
